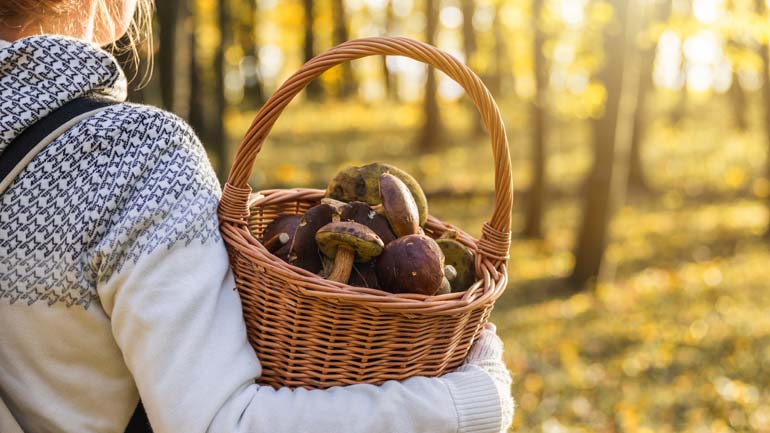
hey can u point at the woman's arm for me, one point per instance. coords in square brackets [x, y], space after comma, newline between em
[177, 319]
[178, 322]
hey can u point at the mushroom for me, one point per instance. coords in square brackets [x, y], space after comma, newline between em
[362, 184]
[445, 289]
[411, 264]
[348, 185]
[347, 242]
[336, 204]
[362, 213]
[461, 259]
[398, 206]
[304, 249]
[449, 275]
[364, 275]
[286, 224]
[449, 271]
[277, 241]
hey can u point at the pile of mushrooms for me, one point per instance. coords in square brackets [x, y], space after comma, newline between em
[367, 232]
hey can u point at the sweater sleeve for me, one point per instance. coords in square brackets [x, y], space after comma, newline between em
[166, 284]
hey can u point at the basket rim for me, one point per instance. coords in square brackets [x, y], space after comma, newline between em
[485, 290]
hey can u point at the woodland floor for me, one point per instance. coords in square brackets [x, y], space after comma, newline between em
[677, 341]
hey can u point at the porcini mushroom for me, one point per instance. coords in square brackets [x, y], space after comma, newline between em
[362, 213]
[276, 242]
[411, 264]
[280, 247]
[460, 257]
[449, 275]
[347, 242]
[304, 249]
[398, 206]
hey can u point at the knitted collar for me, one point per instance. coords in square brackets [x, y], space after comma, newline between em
[39, 74]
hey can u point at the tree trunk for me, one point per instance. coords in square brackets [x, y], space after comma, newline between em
[765, 56]
[219, 135]
[738, 100]
[680, 109]
[431, 135]
[637, 179]
[501, 68]
[534, 216]
[469, 48]
[314, 89]
[469, 34]
[253, 92]
[592, 236]
[390, 80]
[347, 85]
[195, 106]
[168, 19]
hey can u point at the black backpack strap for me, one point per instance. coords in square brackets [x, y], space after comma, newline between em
[32, 140]
[139, 422]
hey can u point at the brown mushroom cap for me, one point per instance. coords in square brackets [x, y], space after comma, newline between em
[304, 249]
[347, 242]
[411, 264]
[283, 224]
[347, 234]
[461, 258]
[399, 206]
[362, 213]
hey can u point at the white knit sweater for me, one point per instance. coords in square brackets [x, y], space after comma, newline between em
[114, 283]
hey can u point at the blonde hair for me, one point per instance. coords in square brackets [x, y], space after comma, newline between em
[139, 34]
[139, 31]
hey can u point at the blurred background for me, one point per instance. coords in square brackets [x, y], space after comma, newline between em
[639, 297]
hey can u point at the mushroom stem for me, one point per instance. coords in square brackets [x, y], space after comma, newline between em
[379, 209]
[339, 205]
[276, 242]
[343, 264]
[450, 272]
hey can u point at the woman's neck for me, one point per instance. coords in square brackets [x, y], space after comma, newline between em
[12, 29]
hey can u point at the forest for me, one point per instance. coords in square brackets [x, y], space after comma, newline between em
[639, 132]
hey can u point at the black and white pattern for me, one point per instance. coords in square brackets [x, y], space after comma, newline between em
[115, 187]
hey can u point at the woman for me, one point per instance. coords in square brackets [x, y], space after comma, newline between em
[115, 283]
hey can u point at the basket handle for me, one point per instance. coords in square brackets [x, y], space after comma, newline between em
[496, 234]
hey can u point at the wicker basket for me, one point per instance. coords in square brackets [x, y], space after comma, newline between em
[314, 333]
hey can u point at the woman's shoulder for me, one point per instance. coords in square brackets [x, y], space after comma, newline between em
[145, 145]
[153, 183]
[152, 124]
[144, 135]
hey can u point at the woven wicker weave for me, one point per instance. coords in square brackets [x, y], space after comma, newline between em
[314, 333]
